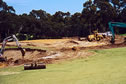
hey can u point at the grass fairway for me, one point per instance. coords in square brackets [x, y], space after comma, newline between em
[105, 67]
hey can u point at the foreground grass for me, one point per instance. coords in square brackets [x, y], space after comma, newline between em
[105, 67]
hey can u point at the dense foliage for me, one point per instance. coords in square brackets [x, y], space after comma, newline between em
[39, 24]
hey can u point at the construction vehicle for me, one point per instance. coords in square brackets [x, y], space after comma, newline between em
[106, 34]
[28, 66]
[95, 37]
[115, 24]
[7, 39]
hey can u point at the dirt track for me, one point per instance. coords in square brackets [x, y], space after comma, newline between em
[55, 50]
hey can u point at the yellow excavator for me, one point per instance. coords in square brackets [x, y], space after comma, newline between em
[95, 36]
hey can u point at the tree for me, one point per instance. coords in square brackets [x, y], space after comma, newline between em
[39, 24]
[5, 22]
[89, 14]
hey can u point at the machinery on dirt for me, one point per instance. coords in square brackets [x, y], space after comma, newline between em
[106, 34]
[95, 36]
[28, 66]
[7, 39]
[115, 24]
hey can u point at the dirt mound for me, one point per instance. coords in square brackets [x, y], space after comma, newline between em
[21, 61]
[73, 42]
[57, 50]
[106, 46]
[2, 65]
[14, 56]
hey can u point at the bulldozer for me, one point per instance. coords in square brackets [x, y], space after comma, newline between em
[95, 36]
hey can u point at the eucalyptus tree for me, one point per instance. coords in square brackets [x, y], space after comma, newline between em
[89, 14]
[6, 24]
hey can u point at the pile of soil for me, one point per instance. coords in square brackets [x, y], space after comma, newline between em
[57, 50]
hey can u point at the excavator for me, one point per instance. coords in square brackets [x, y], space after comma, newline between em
[27, 66]
[115, 24]
[7, 39]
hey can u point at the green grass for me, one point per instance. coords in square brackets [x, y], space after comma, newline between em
[123, 34]
[105, 67]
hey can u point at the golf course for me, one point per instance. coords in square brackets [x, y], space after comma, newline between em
[106, 66]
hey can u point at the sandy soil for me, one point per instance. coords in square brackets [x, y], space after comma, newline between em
[56, 50]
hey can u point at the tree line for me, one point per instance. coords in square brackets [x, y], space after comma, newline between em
[39, 24]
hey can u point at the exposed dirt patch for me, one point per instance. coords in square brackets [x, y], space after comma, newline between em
[14, 56]
[56, 50]
[2, 65]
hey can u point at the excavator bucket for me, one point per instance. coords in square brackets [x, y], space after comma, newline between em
[32, 66]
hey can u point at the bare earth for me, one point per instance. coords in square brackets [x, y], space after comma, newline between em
[56, 50]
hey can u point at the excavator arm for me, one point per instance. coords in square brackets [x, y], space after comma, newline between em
[115, 24]
[11, 38]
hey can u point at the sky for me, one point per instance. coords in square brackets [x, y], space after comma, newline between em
[50, 6]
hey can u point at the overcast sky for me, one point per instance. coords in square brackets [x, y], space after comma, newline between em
[50, 6]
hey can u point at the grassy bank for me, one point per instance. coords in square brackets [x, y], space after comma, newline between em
[105, 67]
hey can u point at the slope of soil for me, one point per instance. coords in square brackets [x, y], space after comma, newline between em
[105, 67]
[54, 50]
